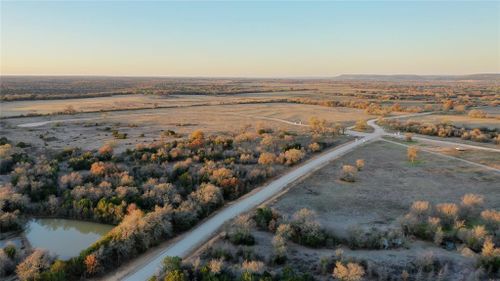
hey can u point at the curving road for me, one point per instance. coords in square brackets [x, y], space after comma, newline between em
[185, 244]
[351, 132]
[455, 144]
[204, 231]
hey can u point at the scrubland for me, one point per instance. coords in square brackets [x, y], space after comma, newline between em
[151, 192]
[154, 156]
[395, 220]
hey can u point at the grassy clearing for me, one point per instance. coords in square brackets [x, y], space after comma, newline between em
[145, 126]
[387, 172]
[488, 158]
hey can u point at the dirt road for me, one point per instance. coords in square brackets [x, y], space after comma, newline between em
[203, 232]
[448, 156]
[206, 230]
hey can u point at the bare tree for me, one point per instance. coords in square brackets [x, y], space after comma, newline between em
[412, 153]
[348, 173]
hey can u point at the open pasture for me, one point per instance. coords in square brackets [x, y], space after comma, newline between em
[91, 130]
[386, 187]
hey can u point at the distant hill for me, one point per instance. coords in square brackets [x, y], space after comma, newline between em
[412, 77]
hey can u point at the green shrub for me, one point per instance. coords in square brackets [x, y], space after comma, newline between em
[118, 135]
[4, 140]
[176, 275]
[171, 263]
[263, 216]
[240, 238]
[10, 250]
[289, 146]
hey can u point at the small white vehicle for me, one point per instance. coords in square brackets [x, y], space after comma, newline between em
[458, 148]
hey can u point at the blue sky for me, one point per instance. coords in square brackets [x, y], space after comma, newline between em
[249, 38]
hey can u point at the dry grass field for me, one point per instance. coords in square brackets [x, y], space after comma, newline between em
[487, 158]
[492, 111]
[15, 108]
[92, 130]
[137, 101]
[385, 188]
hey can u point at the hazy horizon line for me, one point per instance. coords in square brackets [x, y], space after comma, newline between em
[247, 76]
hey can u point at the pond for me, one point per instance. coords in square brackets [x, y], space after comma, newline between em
[16, 241]
[62, 237]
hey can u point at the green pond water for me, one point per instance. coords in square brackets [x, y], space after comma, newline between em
[62, 237]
